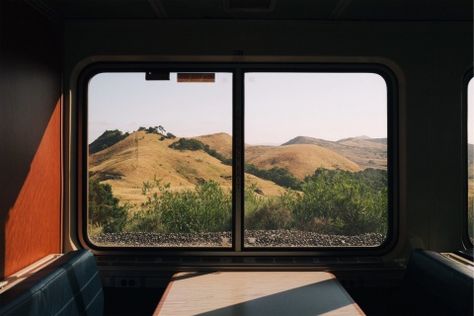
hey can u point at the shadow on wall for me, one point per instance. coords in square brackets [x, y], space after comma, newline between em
[30, 137]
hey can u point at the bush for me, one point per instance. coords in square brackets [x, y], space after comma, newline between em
[104, 208]
[330, 201]
[280, 176]
[194, 144]
[187, 144]
[349, 203]
[208, 208]
[272, 215]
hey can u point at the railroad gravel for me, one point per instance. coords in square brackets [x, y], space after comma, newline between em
[253, 238]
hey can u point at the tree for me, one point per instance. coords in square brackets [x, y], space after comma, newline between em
[161, 130]
[104, 208]
[107, 139]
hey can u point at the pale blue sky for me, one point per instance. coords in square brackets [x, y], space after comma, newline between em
[278, 106]
[126, 101]
[331, 106]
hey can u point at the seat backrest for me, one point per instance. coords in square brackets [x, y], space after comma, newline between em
[437, 285]
[68, 286]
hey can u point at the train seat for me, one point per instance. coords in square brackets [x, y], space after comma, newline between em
[68, 286]
[437, 285]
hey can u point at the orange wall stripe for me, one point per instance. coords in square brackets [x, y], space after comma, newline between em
[33, 224]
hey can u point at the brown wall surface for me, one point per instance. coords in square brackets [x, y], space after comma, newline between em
[30, 137]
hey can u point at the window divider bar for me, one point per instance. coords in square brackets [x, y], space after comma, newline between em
[238, 159]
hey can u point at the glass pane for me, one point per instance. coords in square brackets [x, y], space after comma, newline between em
[160, 160]
[470, 159]
[316, 160]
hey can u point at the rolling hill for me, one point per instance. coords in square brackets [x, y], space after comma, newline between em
[131, 159]
[142, 156]
[365, 151]
[221, 142]
[300, 159]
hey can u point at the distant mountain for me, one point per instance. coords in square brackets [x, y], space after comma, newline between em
[365, 151]
[379, 140]
[127, 160]
[308, 140]
[299, 159]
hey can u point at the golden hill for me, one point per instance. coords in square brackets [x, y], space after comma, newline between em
[220, 142]
[300, 159]
[141, 157]
[365, 151]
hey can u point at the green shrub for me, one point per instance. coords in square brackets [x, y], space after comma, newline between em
[208, 208]
[271, 215]
[280, 176]
[194, 144]
[252, 200]
[329, 201]
[349, 203]
[104, 208]
[187, 144]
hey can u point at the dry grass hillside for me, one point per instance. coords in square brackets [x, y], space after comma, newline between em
[300, 160]
[221, 142]
[365, 151]
[141, 157]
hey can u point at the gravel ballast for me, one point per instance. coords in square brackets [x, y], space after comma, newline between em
[253, 238]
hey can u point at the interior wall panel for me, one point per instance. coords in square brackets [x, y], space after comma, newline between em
[30, 137]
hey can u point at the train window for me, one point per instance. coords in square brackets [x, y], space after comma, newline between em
[315, 169]
[316, 159]
[160, 159]
[470, 159]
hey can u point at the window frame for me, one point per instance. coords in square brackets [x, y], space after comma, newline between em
[238, 71]
[468, 77]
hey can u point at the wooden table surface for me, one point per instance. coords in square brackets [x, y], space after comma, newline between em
[256, 293]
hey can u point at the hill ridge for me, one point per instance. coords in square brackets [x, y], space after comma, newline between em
[142, 156]
[366, 152]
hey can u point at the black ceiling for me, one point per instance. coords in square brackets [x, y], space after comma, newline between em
[455, 10]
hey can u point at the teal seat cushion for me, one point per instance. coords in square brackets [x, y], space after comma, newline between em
[436, 285]
[69, 286]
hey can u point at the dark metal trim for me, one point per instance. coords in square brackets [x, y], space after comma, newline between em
[238, 160]
[392, 145]
[464, 158]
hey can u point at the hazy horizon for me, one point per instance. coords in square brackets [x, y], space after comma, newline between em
[260, 144]
[330, 106]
